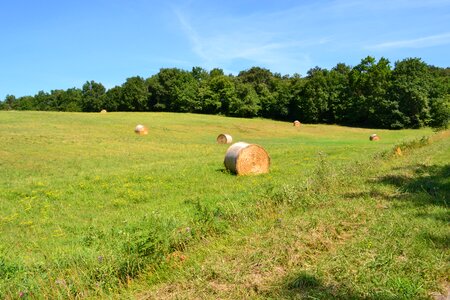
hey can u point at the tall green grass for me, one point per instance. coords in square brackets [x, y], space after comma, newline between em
[372, 230]
[87, 206]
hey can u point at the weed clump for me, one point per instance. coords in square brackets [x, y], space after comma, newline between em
[405, 147]
[323, 181]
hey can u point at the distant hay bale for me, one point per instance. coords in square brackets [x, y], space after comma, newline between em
[103, 111]
[246, 159]
[141, 130]
[374, 137]
[297, 123]
[224, 138]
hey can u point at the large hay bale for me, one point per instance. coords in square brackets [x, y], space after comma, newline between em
[224, 138]
[297, 123]
[141, 129]
[245, 159]
[374, 137]
[103, 111]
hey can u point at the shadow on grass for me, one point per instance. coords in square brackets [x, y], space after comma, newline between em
[431, 180]
[224, 171]
[307, 286]
[438, 241]
[428, 185]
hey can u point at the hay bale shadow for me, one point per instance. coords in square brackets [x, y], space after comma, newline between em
[224, 171]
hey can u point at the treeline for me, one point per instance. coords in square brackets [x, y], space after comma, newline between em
[412, 94]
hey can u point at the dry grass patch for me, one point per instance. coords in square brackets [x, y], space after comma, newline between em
[253, 265]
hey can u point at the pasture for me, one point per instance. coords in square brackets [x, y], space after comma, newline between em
[90, 209]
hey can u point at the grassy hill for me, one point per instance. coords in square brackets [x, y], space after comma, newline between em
[90, 209]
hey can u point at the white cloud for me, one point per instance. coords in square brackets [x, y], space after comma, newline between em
[384, 5]
[423, 42]
[253, 38]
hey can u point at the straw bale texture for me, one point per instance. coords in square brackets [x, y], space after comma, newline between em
[224, 138]
[245, 159]
[141, 130]
[374, 137]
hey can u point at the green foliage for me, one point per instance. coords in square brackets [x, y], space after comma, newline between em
[370, 94]
[338, 103]
[92, 96]
[312, 99]
[173, 90]
[440, 112]
[134, 94]
[216, 94]
[369, 83]
[411, 86]
[246, 104]
[9, 102]
[113, 100]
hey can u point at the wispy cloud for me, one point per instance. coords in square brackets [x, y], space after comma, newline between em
[385, 5]
[423, 42]
[259, 43]
[291, 39]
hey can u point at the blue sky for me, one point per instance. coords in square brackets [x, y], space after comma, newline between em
[54, 44]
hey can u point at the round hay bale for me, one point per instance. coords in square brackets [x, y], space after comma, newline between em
[141, 130]
[297, 123]
[374, 137]
[224, 138]
[246, 159]
[103, 111]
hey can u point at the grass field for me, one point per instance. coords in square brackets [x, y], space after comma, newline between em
[89, 209]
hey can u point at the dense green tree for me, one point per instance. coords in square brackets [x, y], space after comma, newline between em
[9, 102]
[72, 100]
[256, 76]
[370, 94]
[113, 100]
[439, 100]
[338, 94]
[263, 82]
[440, 112]
[296, 84]
[310, 97]
[92, 96]
[174, 90]
[135, 94]
[64, 100]
[25, 103]
[199, 74]
[278, 108]
[42, 101]
[216, 94]
[216, 72]
[411, 86]
[246, 104]
[369, 83]
[56, 100]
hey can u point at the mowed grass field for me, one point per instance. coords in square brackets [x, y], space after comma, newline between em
[90, 209]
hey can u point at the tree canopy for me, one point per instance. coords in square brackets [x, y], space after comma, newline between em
[410, 94]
